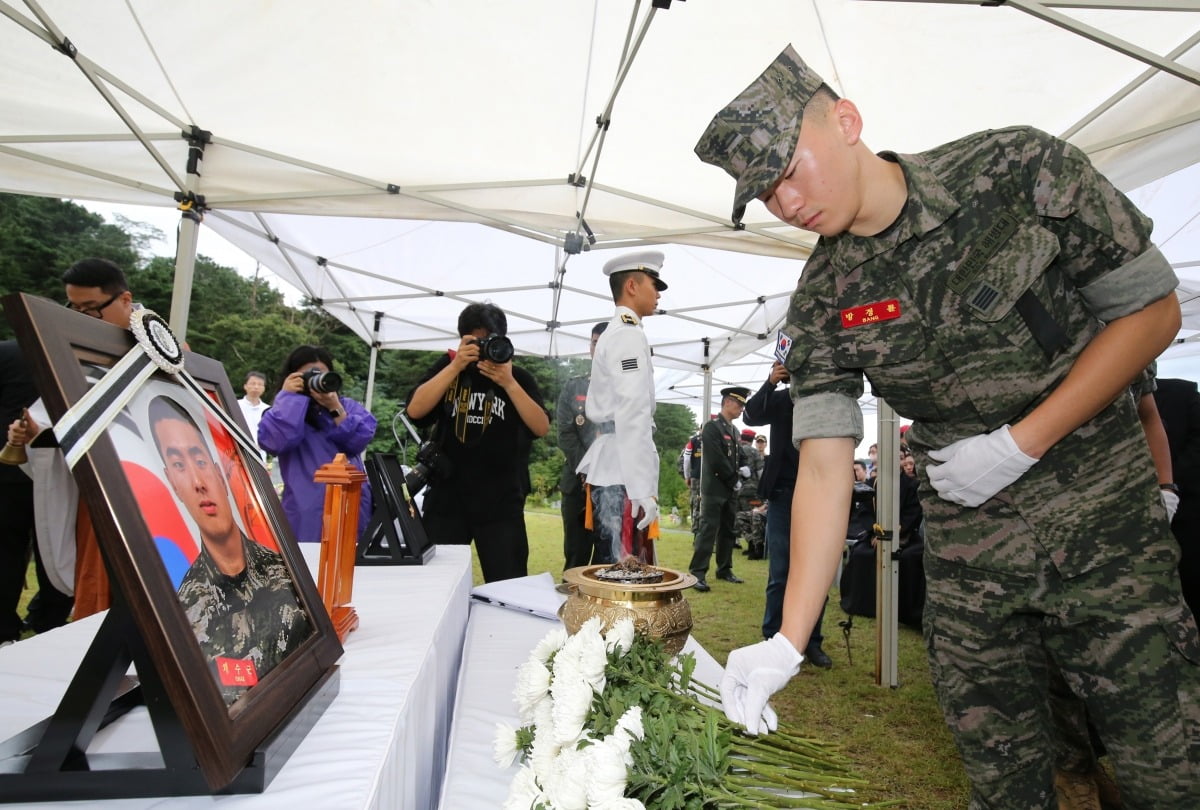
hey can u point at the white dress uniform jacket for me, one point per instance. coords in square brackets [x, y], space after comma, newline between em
[620, 401]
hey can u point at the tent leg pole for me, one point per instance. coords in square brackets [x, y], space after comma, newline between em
[374, 356]
[887, 572]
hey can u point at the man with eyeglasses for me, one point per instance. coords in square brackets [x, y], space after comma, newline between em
[97, 288]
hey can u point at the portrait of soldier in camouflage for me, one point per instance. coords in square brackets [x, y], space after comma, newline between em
[237, 593]
[1001, 293]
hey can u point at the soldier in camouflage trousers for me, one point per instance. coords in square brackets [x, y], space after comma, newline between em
[1002, 294]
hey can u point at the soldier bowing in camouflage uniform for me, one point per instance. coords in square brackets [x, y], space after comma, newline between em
[237, 594]
[1002, 294]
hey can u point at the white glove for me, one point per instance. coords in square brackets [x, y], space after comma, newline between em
[976, 468]
[647, 505]
[1170, 501]
[744, 471]
[752, 675]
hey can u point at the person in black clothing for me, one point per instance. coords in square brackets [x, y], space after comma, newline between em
[484, 415]
[773, 407]
[721, 475]
[1178, 404]
[50, 608]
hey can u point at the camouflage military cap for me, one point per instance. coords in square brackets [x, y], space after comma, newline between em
[753, 137]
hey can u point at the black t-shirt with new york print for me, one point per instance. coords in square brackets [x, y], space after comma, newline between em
[482, 435]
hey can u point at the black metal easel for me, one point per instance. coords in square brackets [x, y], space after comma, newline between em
[50, 761]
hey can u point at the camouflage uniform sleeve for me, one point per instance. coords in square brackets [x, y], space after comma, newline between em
[825, 395]
[1104, 237]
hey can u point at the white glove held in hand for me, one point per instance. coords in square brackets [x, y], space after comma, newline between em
[744, 471]
[752, 675]
[649, 506]
[976, 468]
[1170, 501]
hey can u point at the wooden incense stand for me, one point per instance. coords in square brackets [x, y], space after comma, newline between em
[339, 537]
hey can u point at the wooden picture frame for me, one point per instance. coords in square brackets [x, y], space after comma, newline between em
[228, 737]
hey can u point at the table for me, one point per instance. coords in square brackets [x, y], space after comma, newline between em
[380, 744]
[498, 641]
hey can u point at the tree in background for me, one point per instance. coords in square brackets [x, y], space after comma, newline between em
[246, 325]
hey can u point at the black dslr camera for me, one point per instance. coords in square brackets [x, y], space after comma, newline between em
[430, 465]
[321, 382]
[496, 348]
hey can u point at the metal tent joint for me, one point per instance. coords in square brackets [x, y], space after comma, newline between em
[67, 48]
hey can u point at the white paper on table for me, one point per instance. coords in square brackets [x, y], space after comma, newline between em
[533, 594]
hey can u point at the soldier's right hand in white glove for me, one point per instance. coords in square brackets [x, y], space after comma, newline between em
[744, 471]
[976, 468]
[1170, 502]
[648, 506]
[752, 675]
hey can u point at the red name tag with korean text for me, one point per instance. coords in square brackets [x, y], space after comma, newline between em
[237, 671]
[871, 313]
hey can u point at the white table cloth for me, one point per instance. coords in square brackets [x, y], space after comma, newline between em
[380, 744]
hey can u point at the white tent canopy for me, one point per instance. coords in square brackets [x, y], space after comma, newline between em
[349, 146]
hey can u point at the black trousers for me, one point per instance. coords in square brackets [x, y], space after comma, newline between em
[500, 538]
[579, 544]
[16, 541]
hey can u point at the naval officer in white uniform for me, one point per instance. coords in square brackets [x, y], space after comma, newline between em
[621, 466]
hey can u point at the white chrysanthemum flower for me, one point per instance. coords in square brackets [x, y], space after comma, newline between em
[543, 714]
[551, 644]
[572, 702]
[533, 686]
[523, 792]
[631, 723]
[620, 636]
[566, 785]
[593, 658]
[544, 749]
[504, 745]
[607, 772]
[592, 627]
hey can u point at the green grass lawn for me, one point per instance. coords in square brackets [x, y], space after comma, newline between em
[896, 737]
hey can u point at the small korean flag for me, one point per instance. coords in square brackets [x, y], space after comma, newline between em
[783, 345]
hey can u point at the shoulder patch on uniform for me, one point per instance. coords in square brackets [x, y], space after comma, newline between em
[629, 319]
[629, 364]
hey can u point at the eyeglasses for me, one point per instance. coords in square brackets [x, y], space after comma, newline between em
[97, 310]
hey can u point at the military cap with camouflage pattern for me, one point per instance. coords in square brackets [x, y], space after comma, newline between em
[753, 137]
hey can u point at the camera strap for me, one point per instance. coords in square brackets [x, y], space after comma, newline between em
[458, 402]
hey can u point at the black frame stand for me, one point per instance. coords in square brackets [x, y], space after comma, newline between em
[49, 761]
[394, 520]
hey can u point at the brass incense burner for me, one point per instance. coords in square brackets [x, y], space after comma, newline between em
[649, 595]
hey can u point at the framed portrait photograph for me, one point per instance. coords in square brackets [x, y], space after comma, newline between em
[200, 558]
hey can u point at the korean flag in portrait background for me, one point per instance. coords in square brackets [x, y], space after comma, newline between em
[175, 534]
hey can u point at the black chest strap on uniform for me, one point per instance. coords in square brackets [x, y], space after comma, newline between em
[1045, 330]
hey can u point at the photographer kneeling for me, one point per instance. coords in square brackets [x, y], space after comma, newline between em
[308, 424]
[485, 414]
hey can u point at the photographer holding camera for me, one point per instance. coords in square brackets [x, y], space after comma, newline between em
[307, 425]
[484, 414]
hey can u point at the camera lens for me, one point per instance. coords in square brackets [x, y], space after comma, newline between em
[496, 348]
[322, 382]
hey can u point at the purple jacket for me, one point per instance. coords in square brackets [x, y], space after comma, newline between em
[302, 449]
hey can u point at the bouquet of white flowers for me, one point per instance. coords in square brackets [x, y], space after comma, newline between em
[610, 722]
